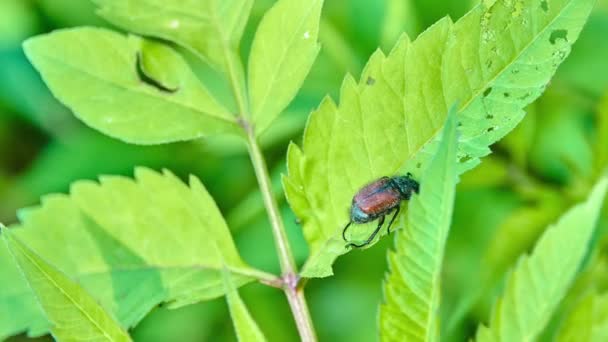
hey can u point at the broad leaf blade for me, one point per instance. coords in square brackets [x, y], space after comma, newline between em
[539, 281]
[73, 313]
[19, 310]
[94, 72]
[388, 122]
[283, 51]
[209, 28]
[412, 288]
[135, 244]
[245, 326]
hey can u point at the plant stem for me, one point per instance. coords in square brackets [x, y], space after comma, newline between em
[289, 278]
[295, 295]
[285, 256]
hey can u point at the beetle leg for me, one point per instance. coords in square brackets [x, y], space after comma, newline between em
[344, 230]
[371, 237]
[388, 229]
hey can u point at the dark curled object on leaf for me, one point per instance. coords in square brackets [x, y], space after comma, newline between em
[141, 73]
[378, 199]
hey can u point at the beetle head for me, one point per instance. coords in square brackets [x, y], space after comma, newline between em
[406, 185]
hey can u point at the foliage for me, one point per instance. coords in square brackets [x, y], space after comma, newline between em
[181, 260]
[412, 290]
[493, 61]
[73, 314]
[220, 85]
[539, 281]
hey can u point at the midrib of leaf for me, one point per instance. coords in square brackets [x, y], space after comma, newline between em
[66, 295]
[137, 90]
[480, 91]
[439, 251]
[282, 57]
[195, 267]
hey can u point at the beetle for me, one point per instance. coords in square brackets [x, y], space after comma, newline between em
[378, 199]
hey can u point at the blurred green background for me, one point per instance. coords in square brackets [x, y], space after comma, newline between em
[548, 163]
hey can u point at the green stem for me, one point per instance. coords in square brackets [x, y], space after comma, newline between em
[289, 280]
[282, 244]
[295, 294]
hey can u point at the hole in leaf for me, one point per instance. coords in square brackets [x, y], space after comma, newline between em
[145, 78]
[544, 5]
[370, 81]
[487, 92]
[558, 34]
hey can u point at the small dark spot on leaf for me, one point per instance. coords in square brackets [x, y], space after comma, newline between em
[459, 124]
[371, 81]
[489, 63]
[490, 129]
[464, 159]
[298, 221]
[515, 71]
[419, 165]
[506, 94]
[141, 73]
[489, 116]
[544, 5]
[558, 34]
[487, 92]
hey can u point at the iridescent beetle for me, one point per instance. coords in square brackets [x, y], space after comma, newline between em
[378, 199]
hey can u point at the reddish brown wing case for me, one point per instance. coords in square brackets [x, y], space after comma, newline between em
[377, 197]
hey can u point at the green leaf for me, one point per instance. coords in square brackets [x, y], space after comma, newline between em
[94, 72]
[73, 313]
[588, 321]
[212, 28]
[494, 62]
[135, 244]
[245, 326]
[412, 288]
[540, 280]
[19, 310]
[283, 51]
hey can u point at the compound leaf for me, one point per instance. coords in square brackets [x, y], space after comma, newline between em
[73, 313]
[493, 62]
[212, 28]
[245, 326]
[151, 99]
[540, 280]
[133, 244]
[283, 51]
[412, 288]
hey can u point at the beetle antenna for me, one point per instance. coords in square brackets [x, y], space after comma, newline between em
[344, 231]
